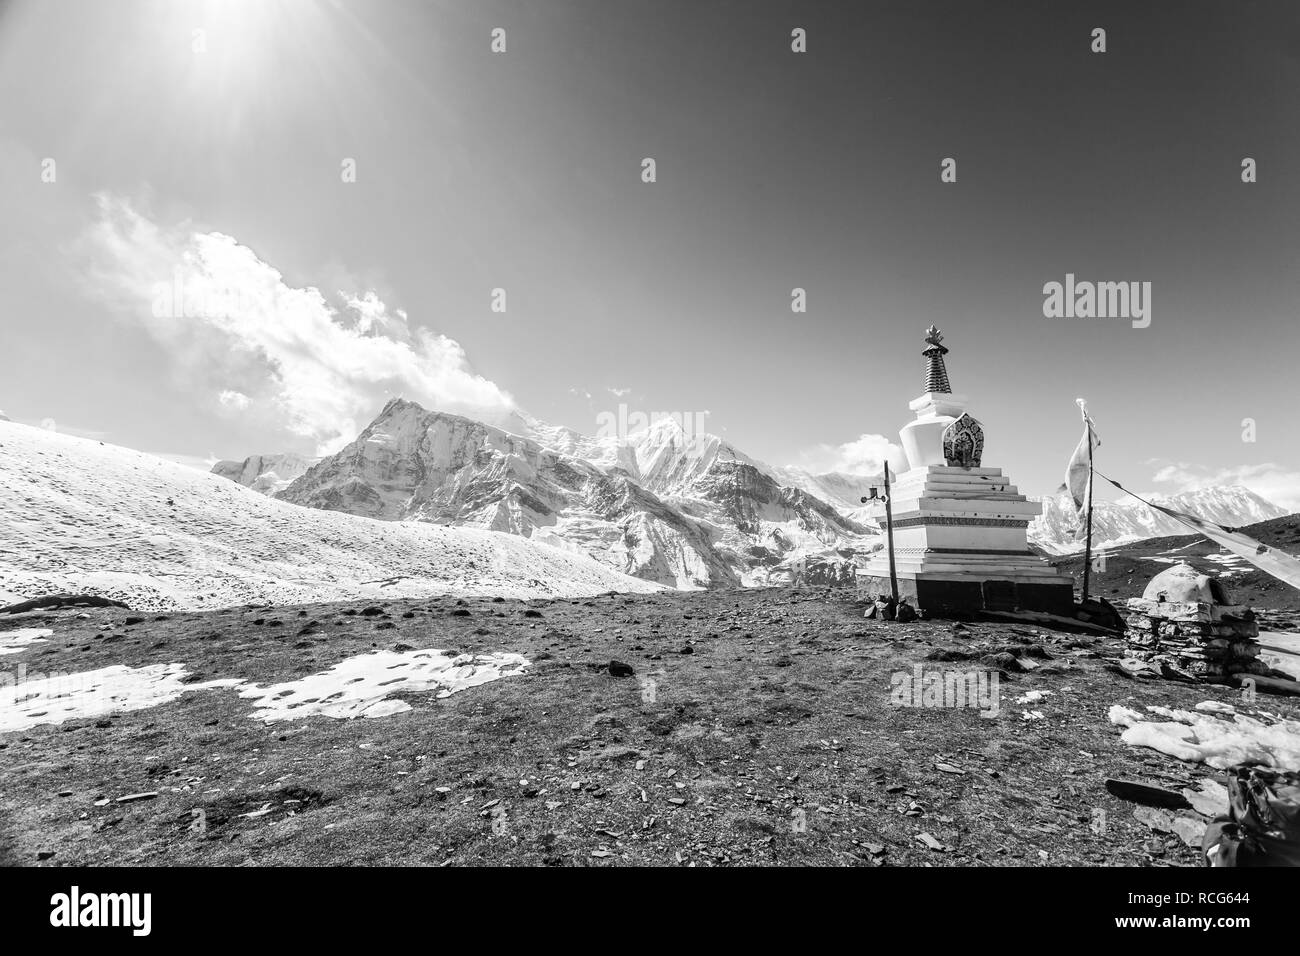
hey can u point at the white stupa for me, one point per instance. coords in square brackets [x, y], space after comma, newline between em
[960, 529]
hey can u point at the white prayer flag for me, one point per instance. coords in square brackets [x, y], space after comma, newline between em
[1077, 473]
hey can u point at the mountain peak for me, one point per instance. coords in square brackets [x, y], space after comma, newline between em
[1127, 520]
[666, 503]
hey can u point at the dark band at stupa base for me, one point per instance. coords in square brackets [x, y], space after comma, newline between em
[935, 596]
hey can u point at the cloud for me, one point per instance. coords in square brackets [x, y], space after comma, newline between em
[228, 317]
[619, 392]
[582, 392]
[1270, 481]
[865, 455]
[232, 399]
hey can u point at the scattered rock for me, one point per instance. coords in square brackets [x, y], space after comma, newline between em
[1147, 793]
[1211, 799]
[135, 797]
[60, 600]
[930, 842]
[1190, 830]
[1162, 821]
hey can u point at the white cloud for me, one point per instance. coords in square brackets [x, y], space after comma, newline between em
[232, 399]
[227, 316]
[1268, 480]
[865, 455]
[619, 392]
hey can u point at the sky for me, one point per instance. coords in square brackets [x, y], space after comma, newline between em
[209, 146]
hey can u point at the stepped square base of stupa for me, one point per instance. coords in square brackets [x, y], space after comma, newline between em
[960, 545]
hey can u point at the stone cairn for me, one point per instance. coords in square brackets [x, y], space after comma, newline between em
[1184, 621]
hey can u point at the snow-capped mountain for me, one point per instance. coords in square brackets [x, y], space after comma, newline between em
[1127, 520]
[677, 508]
[686, 510]
[84, 516]
[841, 490]
[265, 473]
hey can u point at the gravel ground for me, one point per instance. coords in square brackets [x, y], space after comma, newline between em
[756, 728]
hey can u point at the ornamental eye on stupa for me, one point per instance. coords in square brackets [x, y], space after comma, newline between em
[963, 442]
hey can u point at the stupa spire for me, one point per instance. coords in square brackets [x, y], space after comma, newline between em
[936, 375]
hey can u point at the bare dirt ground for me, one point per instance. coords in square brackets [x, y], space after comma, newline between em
[767, 737]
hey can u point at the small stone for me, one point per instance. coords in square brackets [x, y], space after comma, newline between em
[1211, 799]
[1161, 821]
[930, 842]
[135, 797]
[1191, 830]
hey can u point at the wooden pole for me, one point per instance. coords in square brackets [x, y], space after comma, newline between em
[889, 530]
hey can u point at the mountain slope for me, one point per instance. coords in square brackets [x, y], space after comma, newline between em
[265, 473]
[80, 515]
[1127, 520]
[1128, 567]
[686, 511]
[841, 490]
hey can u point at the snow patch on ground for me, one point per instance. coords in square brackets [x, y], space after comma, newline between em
[15, 642]
[54, 698]
[1221, 742]
[361, 686]
[1231, 563]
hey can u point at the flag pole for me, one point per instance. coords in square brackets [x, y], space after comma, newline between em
[1087, 548]
[889, 526]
